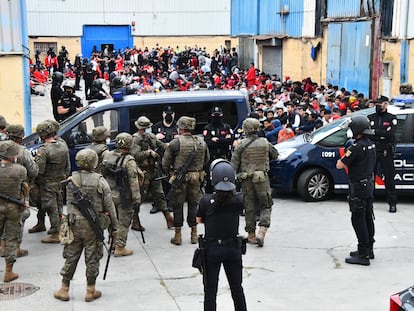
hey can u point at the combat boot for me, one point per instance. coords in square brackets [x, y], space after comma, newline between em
[261, 235]
[136, 225]
[22, 252]
[92, 293]
[251, 238]
[176, 240]
[9, 275]
[194, 237]
[51, 238]
[122, 251]
[169, 219]
[2, 248]
[62, 293]
[40, 226]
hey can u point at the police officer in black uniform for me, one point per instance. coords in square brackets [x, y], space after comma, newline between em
[56, 93]
[219, 138]
[69, 103]
[359, 158]
[220, 212]
[384, 124]
[166, 129]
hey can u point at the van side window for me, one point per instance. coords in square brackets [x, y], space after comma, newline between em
[82, 133]
[399, 131]
[201, 111]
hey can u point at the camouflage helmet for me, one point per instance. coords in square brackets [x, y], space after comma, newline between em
[186, 123]
[3, 122]
[100, 133]
[45, 128]
[15, 131]
[8, 149]
[87, 159]
[123, 140]
[251, 125]
[55, 124]
[406, 88]
[143, 123]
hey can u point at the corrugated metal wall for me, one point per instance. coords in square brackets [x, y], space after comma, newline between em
[244, 17]
[152, 18]
[352, 8]
[272, 17]
[10, 27]
[403, 19]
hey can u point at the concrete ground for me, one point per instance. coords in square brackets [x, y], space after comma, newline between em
[301, 266]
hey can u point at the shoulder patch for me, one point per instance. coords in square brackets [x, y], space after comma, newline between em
[348, 153]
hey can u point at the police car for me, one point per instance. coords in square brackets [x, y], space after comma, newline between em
[307, 163]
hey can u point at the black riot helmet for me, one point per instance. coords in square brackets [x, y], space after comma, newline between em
[97, 83]
[57, 77]
[222, 175]
[360, 125]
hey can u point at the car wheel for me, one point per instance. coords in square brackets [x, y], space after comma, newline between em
[314, 185]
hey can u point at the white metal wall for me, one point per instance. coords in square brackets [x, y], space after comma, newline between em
[403, 19]
[152, 18]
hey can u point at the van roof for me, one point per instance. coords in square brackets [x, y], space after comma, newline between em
[171, 97]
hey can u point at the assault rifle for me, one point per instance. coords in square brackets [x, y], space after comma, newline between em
[85, 207]
[11, 199]
[180, 175]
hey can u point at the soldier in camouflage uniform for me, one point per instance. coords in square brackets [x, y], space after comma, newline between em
[176, 155]
[99, 136]
[251, 161]
[54, 165]
[125, 199]
[147, 151]
[93, 186]
[12, 176]
[15, 132]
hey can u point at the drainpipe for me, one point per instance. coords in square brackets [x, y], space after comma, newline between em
[404, 42]
[27, 104]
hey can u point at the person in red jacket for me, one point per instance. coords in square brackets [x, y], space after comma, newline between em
[251, 75]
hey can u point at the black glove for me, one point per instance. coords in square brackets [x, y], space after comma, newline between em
[136, 207]
[72, 109]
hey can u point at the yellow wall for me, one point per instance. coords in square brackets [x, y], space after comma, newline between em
[11, 89]
[297, 62]
[391, 54]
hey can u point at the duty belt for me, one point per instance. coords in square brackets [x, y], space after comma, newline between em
[222, 242]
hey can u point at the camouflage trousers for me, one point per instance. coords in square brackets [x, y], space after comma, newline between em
[261, 192]
[84, 239]
[11, 224]
[154, 187]
[124, 220]
[51, 201]
[25, 215]
[190, 192]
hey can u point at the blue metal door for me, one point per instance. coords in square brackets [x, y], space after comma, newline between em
[349, 55]
[95, 35]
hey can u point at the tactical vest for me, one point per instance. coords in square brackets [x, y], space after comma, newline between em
[256, 156]
[145, 143]
[110, 163]
[12, 176]
[99, 149]
[187, 146]
[88, 184]
[56, 163]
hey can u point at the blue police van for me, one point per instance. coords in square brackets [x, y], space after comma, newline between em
[119, 115]
[307, 163]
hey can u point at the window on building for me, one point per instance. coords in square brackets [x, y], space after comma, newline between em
[43, 47]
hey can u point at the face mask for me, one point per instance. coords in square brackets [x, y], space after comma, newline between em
[108, 141]
[148, 131]
[216, 119]
[349, 133]
[378, 108]
[168, 118]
